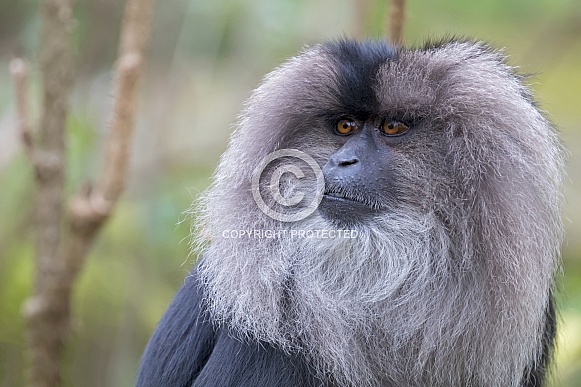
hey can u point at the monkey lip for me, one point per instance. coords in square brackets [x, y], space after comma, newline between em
[338, 195]
[341, 198]
[346, 198]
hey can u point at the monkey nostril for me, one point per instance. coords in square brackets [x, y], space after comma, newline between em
[347, 162]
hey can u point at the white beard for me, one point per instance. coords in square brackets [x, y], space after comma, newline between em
[390, 306]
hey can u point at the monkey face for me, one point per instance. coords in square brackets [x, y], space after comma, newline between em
[372, 130]
[401, 131]
[360, 177]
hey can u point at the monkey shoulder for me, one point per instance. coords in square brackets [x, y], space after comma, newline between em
[186, 349]
[181, 343]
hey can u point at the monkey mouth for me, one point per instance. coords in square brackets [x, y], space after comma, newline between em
[340, 195]
[337, 195]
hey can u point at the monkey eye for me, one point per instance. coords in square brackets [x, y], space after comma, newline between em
[345, 127]
[394, 128]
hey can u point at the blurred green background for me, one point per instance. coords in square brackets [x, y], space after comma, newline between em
[206, 57]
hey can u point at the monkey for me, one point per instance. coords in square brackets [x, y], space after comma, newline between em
[429, 256]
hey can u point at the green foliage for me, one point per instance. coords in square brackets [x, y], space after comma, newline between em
[16, 250]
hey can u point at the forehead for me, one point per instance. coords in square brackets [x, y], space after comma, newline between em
[375, 78]
[356, 67]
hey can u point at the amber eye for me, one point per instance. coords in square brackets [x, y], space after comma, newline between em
[394, 128]
[345, 127]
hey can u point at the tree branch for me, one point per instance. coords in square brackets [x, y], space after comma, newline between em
[43, 311]
[60, 259]
[90, 208]
[19, 71]
[362, 8]
[396, 20]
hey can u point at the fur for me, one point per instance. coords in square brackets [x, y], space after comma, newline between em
[452, 284]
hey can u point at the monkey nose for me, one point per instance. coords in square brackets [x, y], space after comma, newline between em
[341, 166]
[343, 158]
[348, 161]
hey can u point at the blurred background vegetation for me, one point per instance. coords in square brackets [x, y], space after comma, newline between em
[205, 59]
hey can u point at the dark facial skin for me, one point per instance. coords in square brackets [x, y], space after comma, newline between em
[359, 176]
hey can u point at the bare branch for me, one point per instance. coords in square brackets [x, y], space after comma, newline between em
[134, 38]
[119, 141]
[396, 20]
[19, 71]
[46, 328]
[61, 258]
[362, 8]
[91, 207]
